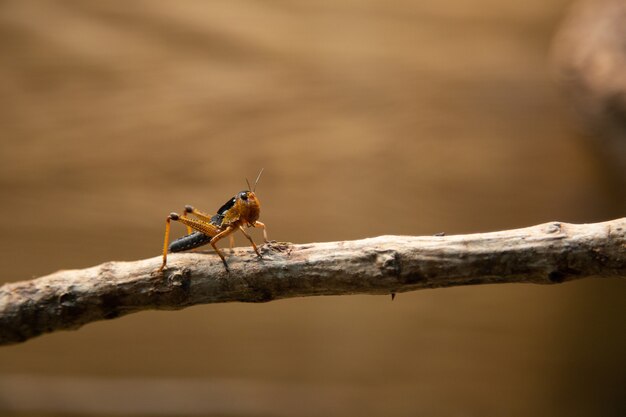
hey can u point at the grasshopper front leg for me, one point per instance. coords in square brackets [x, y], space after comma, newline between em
[262, 226]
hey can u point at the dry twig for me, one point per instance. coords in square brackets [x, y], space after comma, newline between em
[544, 254]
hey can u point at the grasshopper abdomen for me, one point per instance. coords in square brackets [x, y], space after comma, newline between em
[188, 242]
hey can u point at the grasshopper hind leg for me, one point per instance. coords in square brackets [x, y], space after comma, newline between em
[204, 228]
[166, 240]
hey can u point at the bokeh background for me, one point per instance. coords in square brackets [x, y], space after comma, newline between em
[369, 117]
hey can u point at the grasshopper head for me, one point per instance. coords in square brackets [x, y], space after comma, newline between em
[248, 206]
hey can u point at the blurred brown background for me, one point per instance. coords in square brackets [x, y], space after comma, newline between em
[369, 117]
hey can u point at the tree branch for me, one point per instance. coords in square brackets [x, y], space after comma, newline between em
[545, 254]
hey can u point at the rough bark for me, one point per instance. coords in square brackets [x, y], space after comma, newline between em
[545, 254]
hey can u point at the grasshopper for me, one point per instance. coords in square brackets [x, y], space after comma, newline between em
[241, 210]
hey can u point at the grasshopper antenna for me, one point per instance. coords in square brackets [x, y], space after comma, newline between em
[257, 179]
[255, 182]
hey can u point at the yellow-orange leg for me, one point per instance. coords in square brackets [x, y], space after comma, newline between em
[262, 226]
[205, 217]
[166, 241]
[219, 236]
[202, 216]
[250, 239]
[199, 225]
[208, 229]
[189, 229]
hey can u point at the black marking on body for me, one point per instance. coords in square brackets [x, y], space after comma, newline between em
[192, 241]
[217, 219]
[227, 205]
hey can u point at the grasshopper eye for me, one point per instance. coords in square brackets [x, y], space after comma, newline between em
[243, 195]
